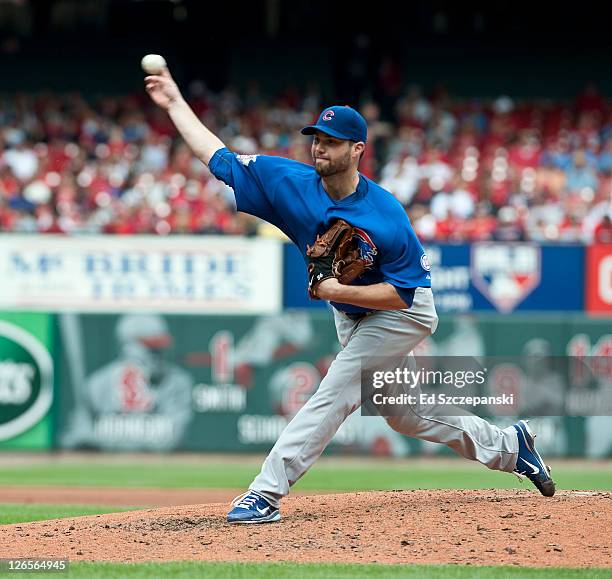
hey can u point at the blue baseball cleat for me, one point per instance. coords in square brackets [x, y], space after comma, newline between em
[251, 507]
[529, 462]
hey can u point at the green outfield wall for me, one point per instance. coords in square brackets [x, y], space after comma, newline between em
[155, 382]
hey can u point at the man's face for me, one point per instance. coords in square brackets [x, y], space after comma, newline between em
[330, 155]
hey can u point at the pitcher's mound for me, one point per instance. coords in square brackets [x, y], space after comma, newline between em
[490, 527]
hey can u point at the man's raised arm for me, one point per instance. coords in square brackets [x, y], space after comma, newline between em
[163, 91]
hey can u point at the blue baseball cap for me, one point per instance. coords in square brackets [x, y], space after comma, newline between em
[341, 122]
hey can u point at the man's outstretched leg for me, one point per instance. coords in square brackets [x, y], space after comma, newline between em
[510, 449]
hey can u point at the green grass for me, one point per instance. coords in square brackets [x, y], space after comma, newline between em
[190, 569]
[19, 513]
[328, 476]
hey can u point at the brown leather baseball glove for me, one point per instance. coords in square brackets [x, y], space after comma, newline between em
[334, 254]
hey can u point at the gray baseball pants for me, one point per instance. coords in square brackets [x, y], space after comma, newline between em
[393, 334]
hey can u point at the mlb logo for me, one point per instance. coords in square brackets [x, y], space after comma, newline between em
[505, 273]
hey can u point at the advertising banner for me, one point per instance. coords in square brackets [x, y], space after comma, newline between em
[221, 383]
[114, 273]
[582, 425]
[153, 382]
[599, 279]
[502, 277]
[26, 380]
[507, 277]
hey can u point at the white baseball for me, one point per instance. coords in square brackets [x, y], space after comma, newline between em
[153, 63]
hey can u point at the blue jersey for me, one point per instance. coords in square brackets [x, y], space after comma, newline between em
[291, 196]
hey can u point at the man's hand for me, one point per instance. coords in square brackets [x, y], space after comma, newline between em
[162, 89]
[328, 289]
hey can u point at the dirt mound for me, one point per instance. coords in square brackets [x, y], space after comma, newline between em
[489, 527]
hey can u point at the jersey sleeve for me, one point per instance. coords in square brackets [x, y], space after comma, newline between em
[403, 264]
[254, 179]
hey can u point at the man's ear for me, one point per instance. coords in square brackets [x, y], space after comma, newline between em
[359, 148]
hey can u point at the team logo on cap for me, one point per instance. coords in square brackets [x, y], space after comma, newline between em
[328, 115]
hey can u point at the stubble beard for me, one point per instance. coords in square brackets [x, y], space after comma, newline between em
[333, 167]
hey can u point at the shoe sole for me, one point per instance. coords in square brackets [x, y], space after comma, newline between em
[269, 519]
[546, 488]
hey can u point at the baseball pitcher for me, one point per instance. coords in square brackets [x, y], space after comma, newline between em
[365, 259]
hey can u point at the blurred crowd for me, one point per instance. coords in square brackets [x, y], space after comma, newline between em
[463, 169]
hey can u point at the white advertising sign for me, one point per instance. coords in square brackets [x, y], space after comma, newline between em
[208, 274]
